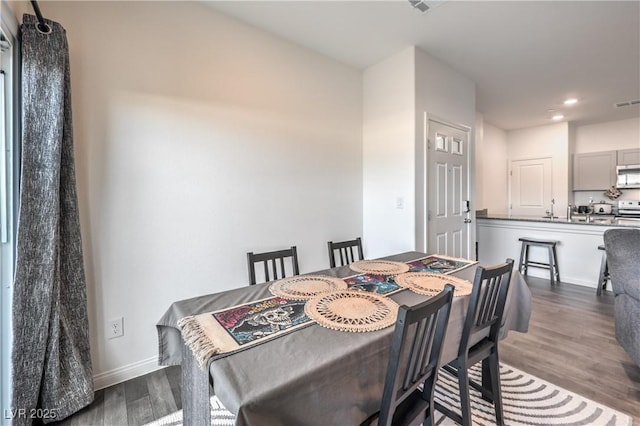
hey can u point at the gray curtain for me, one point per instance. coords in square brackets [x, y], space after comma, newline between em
[51, 361]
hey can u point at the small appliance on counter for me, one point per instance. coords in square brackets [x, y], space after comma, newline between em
[628, 212]
[600, 213]
[602, 208]
[585, 209]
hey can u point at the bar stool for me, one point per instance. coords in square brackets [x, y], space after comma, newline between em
[552, 266]
[604, 272]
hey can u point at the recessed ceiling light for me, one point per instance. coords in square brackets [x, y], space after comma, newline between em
[571, 101]
[557, 117]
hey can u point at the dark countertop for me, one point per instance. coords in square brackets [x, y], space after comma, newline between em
[559, 220]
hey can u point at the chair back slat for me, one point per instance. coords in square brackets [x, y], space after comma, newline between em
[346, 251]
[487, 302]
[281, 268]
[416, 356]
[266, 269]
[421, 349]
[346, 255]
[273, 264]
[415, 353]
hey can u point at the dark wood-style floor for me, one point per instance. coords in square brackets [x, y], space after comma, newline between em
[571, 343]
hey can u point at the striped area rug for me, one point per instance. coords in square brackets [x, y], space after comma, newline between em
[219, 416]
[527, 401]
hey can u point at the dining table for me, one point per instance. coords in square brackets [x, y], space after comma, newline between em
[313, 375]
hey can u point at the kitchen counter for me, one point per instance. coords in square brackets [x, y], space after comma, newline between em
[578, 254]
[578, 220]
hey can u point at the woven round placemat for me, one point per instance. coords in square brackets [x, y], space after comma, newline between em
[354, 311]
[432, 284]
[304, 287]
[382, 267]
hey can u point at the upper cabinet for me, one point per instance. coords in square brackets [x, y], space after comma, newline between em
[594, 171]
[628, 156]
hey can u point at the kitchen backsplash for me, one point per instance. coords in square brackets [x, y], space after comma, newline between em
[582, 197]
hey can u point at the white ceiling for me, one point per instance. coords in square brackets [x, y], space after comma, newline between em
[526, 57]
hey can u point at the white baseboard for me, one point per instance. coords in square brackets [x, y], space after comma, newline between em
[124, 373]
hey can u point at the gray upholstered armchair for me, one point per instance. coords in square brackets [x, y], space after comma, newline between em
[623, 256]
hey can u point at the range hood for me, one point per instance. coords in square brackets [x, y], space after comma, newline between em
[628, 176]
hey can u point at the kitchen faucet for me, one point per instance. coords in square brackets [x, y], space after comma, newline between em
[550, 212]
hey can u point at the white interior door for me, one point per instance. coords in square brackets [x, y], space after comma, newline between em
[448, 171]
[530, 190]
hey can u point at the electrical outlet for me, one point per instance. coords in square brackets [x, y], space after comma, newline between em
[115, 328]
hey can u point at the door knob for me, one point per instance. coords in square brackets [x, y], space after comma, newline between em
[467, 220]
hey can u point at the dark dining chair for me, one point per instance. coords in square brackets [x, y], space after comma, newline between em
[274, 264]
[345, 249]
[415, 355]
[479, 341]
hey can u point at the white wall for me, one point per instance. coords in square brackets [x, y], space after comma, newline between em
[388, 155]
[397, 93]
[444, 93]
[494, 178]
[611, 135]
[199, 138]
[499, 147]
[479, 163]
[542, 142]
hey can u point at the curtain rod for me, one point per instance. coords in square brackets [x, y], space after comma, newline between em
[42, 25]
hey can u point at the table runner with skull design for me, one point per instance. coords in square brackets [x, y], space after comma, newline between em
[235, 328]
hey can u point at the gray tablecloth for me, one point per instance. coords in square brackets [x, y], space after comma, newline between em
[315, 376]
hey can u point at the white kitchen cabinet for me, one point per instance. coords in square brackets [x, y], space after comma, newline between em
[628, 156]
[594, 171]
